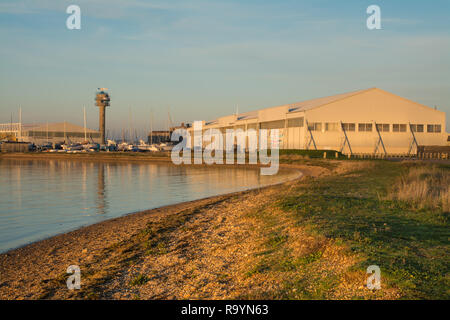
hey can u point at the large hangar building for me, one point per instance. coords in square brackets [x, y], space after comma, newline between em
[371, 121]
[59, 132]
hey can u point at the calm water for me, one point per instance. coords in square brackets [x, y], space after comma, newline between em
[39, 199]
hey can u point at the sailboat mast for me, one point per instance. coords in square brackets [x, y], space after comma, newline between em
[20, 123]
[84, 113]
[129, 124]
[151, 126]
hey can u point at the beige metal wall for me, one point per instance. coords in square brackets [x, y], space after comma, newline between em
[373, 106]
[377, 106]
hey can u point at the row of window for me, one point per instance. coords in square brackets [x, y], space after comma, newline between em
[362, 127]
[335, 126]
[368, 127]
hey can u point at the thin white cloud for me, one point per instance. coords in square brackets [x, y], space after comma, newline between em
[400, 21]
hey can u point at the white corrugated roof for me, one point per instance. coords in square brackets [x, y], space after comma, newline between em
[313, 103]
[295, 107]
[248, 115]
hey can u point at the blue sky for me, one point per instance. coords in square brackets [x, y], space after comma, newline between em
[202, 58]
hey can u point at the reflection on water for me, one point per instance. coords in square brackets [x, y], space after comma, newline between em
[101, 203]
[39, 198]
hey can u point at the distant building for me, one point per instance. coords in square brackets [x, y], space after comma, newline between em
[369, 121]
[15, 147]
[158, 137]
[43, 133]
[162, 136]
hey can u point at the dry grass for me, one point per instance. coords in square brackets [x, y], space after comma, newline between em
[354, 166]
[424, 186]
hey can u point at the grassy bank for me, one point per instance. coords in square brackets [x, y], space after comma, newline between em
[362, 209]
[424, 187]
